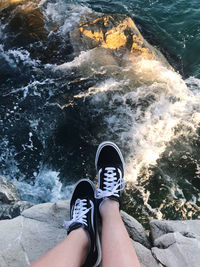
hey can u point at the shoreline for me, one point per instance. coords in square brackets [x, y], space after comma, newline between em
[38, 228]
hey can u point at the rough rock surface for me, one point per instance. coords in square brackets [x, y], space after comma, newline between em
[8, 211]
[135, 229]
[27, 237]
[174, 249]
[10, 204]
[8, 192]
[186, 228]
[145, 256]
[113, 32]
[39, 228]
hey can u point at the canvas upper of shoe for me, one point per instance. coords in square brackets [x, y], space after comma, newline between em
[83, 214]
[109, 164]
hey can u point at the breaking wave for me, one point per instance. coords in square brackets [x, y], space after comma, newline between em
[55, 110]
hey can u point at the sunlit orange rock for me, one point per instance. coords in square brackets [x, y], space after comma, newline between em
[114, 32]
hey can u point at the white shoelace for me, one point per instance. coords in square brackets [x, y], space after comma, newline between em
[112, 185]
[79, 213]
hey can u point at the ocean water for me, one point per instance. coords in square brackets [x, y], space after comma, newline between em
[57, 105]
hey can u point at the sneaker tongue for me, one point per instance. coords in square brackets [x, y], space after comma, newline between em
[115, 166]
[79, 214]
[106, 168]
[83, 198]
[80, 199]
[109, 169]
[78, 205]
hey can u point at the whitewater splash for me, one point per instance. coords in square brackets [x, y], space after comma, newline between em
[46, 188]
[98, 92]
[149, 102]
[147, 108]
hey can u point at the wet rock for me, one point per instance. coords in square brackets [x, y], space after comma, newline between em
[135, 229]
[6, 3]
[25, 19]
[8, 211]
[5, 211]
[114, 33]
[174, 249]
[110, 32]
[8, 192]
[10, 204]
[20, 206]
[186, 228]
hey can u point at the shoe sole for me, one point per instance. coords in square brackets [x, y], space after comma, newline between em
[98, 244]
[106, 143]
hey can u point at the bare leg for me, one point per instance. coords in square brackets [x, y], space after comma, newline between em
[71, 252]
[117, 247]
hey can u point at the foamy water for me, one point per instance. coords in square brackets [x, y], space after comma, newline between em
[64, 109]
[46, 187]
[171, 104]
[151, 107]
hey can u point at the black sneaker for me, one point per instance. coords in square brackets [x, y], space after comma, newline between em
[109, 164]
[83, 214]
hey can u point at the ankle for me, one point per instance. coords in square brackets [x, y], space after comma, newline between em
[109, 206]
[79, 238]
[82, 236]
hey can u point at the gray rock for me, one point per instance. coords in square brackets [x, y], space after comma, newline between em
[135, 229]
[20, 206]
[9, 211]
[2, 262]
[29, 236]
[51, 213]
[174, 249]
[10, 204]
[6, 211]
[39, 228]
[186, 228]
[8, 192]
[145, 256]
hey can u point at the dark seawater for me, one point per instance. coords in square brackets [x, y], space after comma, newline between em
[56, 105]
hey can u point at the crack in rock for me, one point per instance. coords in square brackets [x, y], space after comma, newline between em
[20, 241]
[58, 226]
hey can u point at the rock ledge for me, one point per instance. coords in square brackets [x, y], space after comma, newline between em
[39, 228]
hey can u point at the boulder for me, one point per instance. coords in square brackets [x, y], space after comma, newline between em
[8, 192]
[174, 249]
[10, 204]
[2, 262]
[39, 228]
[6, 3]
[145, 256]
[9, 211]
[29, 236]
[20, 206]
[135, 229]
[113, 32]
[25, 17]
[6, 211]
[51, 213]
[186, 228]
